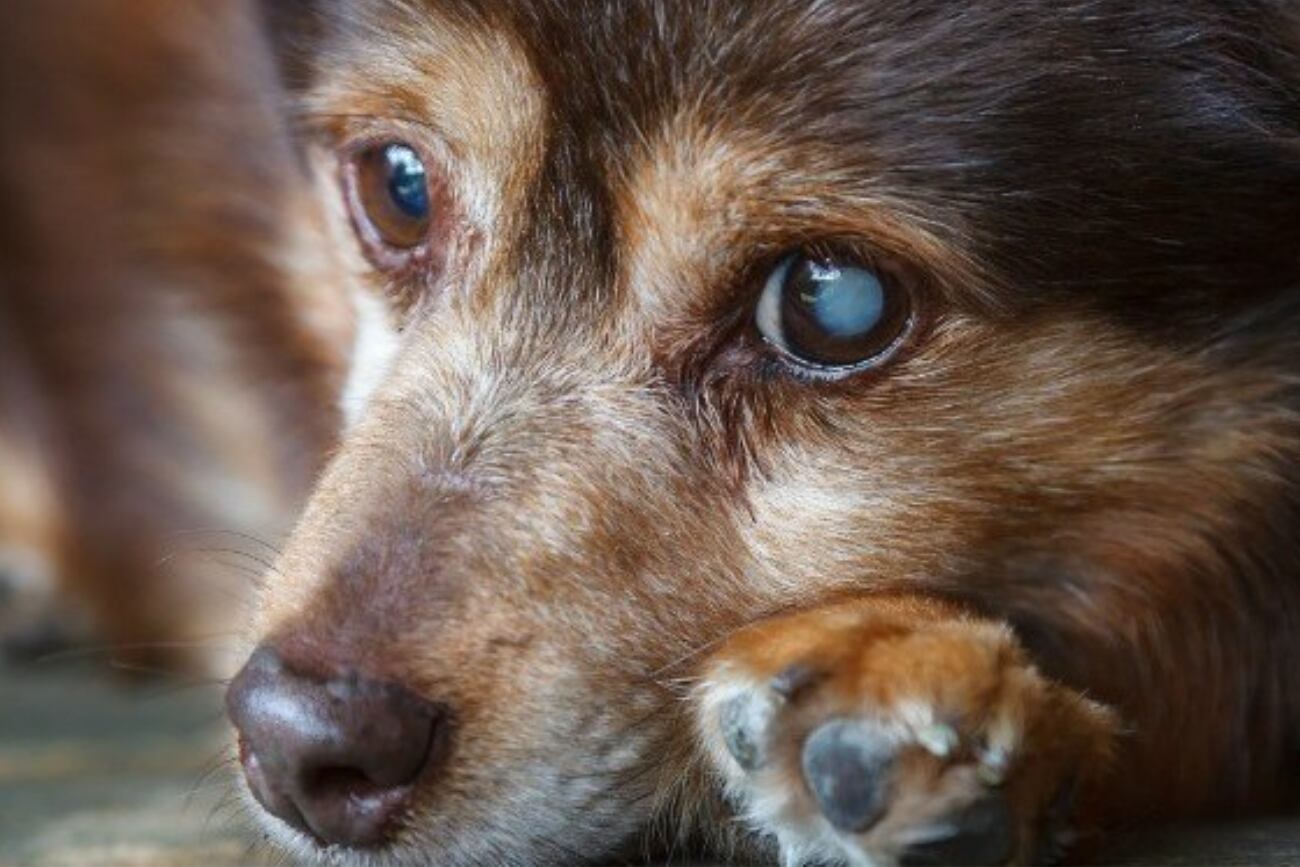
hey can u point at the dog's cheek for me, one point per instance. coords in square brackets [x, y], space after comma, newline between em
[372, 352]
[997, 439]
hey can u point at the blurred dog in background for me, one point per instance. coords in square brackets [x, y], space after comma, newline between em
[169, 359]
[874, 421]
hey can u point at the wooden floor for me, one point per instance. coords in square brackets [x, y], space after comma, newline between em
[95, 772]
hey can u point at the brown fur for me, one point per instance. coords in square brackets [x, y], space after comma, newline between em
[1071, 501]
[166, 339]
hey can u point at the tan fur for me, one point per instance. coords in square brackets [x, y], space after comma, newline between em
[581, 504]
[915, 668]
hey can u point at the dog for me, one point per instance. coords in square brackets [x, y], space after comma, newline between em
[849, 432]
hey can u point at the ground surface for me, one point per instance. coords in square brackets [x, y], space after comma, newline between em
[93, 773]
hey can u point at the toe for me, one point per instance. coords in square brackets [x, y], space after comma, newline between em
[1054, 837]
[979, 834]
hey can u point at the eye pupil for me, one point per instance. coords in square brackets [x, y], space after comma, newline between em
[845, 304]
[407, 184]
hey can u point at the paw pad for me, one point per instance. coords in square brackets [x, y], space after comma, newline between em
[744, 721]
[847, 764]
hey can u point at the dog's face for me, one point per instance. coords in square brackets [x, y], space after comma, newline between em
[703, 312]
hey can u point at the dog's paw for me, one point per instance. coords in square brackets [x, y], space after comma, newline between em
[892, 733]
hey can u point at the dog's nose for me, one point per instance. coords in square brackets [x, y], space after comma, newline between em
[337, 758]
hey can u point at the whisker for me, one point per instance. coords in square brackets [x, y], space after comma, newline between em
[205, 555]
[658, 673]
[681, 687]
[136, 668]
[261, 561]
[226, 802]
[220, 531]
[195, 791]
[218, 763]
[188, 686]
[238, 595]
[104, 649]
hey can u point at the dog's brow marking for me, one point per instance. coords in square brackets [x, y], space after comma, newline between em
[700, 195]
[471, 86]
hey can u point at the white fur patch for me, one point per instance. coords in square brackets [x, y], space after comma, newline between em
[372, 353]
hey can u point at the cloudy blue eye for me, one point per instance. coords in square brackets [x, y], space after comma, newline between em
[833, 313]
[392, 191]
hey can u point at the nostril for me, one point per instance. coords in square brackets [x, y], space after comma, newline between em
[337, 758]
[338, 782]
[340, 778]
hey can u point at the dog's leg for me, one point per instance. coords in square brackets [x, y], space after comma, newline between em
[898, 730]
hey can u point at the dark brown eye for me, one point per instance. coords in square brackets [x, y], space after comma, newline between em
[833, 314]
[391, 191]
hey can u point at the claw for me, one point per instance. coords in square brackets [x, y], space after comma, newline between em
[938, 739]
[994, 763]
[1054, 836]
